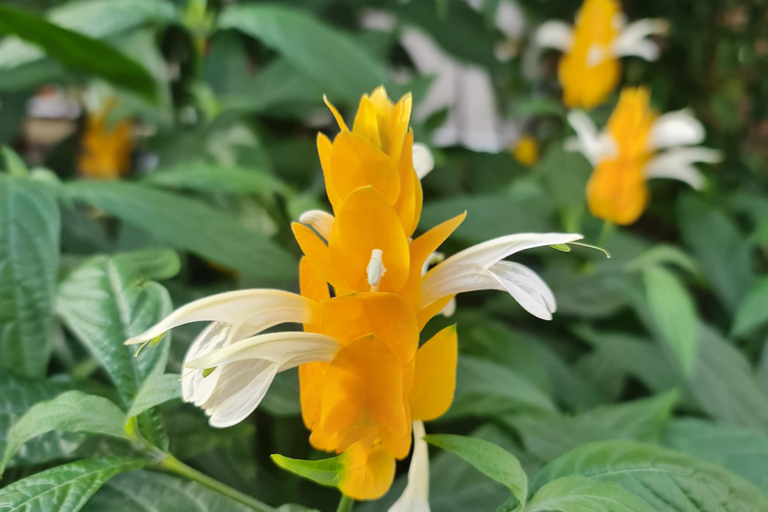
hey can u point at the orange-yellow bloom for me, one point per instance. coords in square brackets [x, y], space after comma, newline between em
[590, 68]
[627, 154]
[105, 150]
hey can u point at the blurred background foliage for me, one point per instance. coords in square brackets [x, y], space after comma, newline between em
[204, 142]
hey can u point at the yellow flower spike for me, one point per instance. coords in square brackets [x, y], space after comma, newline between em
[105, 151]
[336, 114]
[435, 376]
[368, 471]
[526, 151]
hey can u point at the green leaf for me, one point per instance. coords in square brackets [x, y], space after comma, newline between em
[13, 163]
[668, 481]
[157, 390]
[723, 253]
[108, 299]
[189, 224]
[665, 254]
[213, 178]
[78, 52]
[484, 388]
[65, 488]
[488, 458]
[580, 494]
[29, 259]
[325, 472]
[72, 411]
[753, 309]
[741, 451]
[334, 59]
[674, 312]
[548, 436]
[150, 491]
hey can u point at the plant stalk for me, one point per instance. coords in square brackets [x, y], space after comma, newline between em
[345, 504]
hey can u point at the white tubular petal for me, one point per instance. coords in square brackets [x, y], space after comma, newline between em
[241, 389]
[632, 40]
[423, 161]
[286, 349]
[589, 142]
[526, 287]
[195, 388]
[415, 497]
[464, 271]
[675, 129]
[320, 221]
[677, 163]
[449, 308]
[236, 308]
[555, 34]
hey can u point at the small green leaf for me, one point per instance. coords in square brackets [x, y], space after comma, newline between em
[157, 390]
[65, 488]
[561, 247]
[580, 494]
[72, 411]
[753, 309]
[13, 163]
[326, 472]
[488, 458]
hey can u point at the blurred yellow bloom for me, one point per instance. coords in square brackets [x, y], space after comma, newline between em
[626, 155]
[526, 151]
[590, 68]
[105, 151]
[366, 385]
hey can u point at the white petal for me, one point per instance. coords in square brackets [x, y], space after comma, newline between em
[241, 389]
[236, 308]
[593, 145]
[415, 497]
[195, 388]
[449, 308]
[526, 287]
[632, 40]
[555, 34]
[675, 129]
[320, 221]
[423, 161]
[286, 349]
[463, 271]
[677, 163]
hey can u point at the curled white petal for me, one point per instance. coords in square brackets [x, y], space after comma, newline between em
[677, 164]
[526, 287]
[632, 40]
[678, 128]
[195, 388]
[449, 308]
[593, 145]
[555, 34]
[320, 221]
[258, 309]
[466, 270]
[423, 161]
[415, 497]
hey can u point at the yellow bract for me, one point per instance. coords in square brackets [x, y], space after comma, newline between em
[363, 402]
[617, 190]
[589, 72]
[105, 151]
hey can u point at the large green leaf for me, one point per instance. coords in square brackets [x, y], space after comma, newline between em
[29, 260]
[548, 436]
[213, 178]
[189, 224]
[723, 253]
[148, 491]
[669, 481]
[490, 459]
[156, 390]
[580, 494]
[64, 488]
[334, 59]
[753, 310]
[484, 388]
[72, 411]
[108, 299]
[78, 52]
[741, 451]
[674, 312]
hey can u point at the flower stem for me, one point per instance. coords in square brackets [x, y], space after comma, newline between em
[174, 465]
[345, 504]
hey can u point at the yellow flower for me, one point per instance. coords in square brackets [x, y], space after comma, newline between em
[366, 385]
[105, 151]
[590, 69]
[626, 155]
[526, 151]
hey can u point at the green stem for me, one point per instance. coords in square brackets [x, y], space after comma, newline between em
[174, 465]
[609, 228]
[345, 504]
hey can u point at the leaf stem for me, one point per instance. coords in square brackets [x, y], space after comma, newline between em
[174, 465]
[345, 504]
